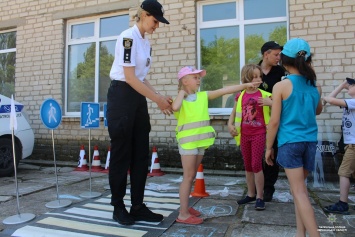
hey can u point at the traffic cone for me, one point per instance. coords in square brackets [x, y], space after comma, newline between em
[200, 190]
[96, 162]
[155, 166]
[107, 161]
[82, 163]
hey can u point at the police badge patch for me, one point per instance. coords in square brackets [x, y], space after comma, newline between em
[127, 44]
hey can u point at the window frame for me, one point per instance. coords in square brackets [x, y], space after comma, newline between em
[92, 39]
[238, 21]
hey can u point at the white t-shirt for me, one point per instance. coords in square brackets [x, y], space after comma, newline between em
[348, 123]
[132, 50]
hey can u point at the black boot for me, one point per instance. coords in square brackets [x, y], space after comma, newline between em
[121, 215]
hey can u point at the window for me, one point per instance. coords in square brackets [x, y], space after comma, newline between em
[230, 34]
[90, 52]
[7, 62]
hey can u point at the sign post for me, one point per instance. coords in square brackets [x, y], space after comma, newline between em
[51, 116]
[20, 217]
[90, 118]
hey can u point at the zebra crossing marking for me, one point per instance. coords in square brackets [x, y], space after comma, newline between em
[93, 218]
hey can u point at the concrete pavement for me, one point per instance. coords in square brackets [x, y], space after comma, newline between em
[222, 215]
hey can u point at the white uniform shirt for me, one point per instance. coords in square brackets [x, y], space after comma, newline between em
[132, 50]
[349, 122]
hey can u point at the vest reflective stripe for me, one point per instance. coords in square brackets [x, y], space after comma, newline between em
[197, 137]
[193, 128]
[238, 113]
[193, 125]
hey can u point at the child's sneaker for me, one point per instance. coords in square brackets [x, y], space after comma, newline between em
[339, 208]
[246, 200]
[259, 205]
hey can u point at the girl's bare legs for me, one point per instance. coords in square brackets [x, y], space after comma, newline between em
[250, 183]
[304, 214]
[301, 229]
[189, 164]
[259, 183]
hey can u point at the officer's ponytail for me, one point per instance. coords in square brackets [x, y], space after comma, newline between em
[137, 16]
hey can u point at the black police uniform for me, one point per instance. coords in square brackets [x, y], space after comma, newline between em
[271, 173]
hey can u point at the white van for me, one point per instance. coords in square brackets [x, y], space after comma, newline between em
[23, 135]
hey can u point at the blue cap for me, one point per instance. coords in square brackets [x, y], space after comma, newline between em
[294, 46]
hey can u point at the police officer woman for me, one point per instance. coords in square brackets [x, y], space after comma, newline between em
[127, 114]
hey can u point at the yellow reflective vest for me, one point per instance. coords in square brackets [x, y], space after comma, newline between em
[193, 128]
[238, 113]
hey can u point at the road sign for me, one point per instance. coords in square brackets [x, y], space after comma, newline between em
[105, 118]
[51, 113]
[90, 115]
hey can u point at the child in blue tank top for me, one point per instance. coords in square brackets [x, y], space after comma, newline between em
[295, 104]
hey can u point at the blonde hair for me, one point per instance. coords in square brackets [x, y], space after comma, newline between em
[247, 73]
[138, 15]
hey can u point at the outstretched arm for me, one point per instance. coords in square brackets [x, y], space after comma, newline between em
[331, 98]
[231, 89]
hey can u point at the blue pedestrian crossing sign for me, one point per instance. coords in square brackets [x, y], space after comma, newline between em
[105, 111]
[90, 115]
[51, 113]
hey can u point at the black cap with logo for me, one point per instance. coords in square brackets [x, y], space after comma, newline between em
[270, 45]
[155, 9]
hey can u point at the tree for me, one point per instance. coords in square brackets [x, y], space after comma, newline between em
[7, 64]
[221, 59]
[82, 78]
[279, 35]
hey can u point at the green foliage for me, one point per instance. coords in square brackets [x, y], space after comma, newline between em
[252, 48]
[82, 78]
[279, 35]
[7, 64]
[221, 59]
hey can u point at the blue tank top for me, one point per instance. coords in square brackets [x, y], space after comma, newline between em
[298, 114]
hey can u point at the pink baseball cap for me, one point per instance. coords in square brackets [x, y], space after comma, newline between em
[188, 70]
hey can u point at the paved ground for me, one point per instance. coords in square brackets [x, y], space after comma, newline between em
[223, 217]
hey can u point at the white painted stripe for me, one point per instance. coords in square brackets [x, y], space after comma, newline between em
[108, 208]
[146, 199]
[87, 212]
[154, 194]
[199, 175]
[33, 231]
[110, 222]
[113, 231]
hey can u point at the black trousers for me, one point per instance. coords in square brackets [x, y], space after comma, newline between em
[271, 173]
[128, 126]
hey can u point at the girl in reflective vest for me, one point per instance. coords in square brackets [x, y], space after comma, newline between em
[247, 123]
[193, 131]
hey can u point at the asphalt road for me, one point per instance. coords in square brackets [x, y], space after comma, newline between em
[92, 216]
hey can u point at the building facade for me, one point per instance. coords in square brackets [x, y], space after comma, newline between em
[63, 49]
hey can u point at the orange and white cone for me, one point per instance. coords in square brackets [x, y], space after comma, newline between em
[107, 165]
[96, 162]
[155, 166]
[82, 163]
[200, 190]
